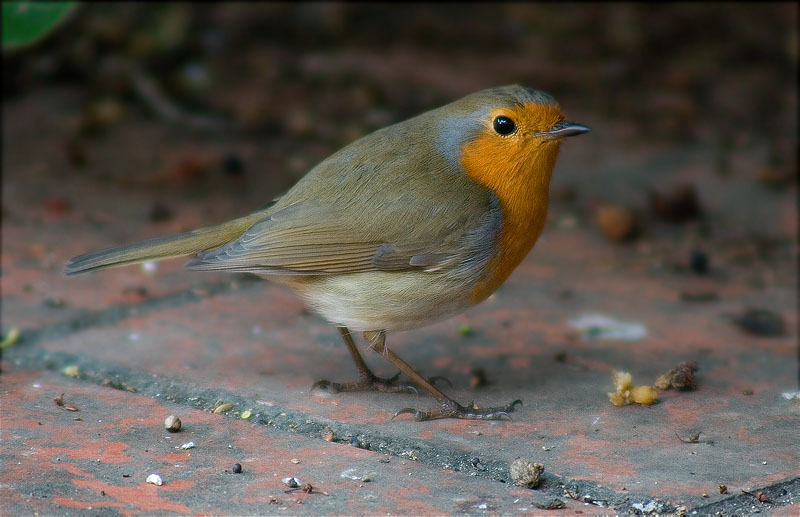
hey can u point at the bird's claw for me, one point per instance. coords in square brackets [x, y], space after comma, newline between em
[451, 409]
[325, 385]
[512, 405]
[419, 416]
[367, 384]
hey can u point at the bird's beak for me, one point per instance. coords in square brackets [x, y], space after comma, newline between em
[563, 129]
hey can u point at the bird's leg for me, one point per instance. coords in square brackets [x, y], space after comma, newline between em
[368, 381]
[449, 408]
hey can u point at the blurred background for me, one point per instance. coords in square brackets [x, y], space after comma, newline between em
[209, 111]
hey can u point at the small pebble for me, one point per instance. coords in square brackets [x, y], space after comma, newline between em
[222, 408]
[172, 424]
[617, 222]
[526, 473]
[680, 378]
[477, 463]
[760, 322]
[295, 461]
[237, 468]
[552, 504]
[188, 445]
[328, 435]
[155, 479]
[291, 482]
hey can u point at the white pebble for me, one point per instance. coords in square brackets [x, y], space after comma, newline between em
[292, 482]
[605, 327]
[350, 474]
[155, 479]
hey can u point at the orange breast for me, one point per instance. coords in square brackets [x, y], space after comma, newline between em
[518, 171]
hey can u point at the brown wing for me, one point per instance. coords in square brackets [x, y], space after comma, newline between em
[305, 238]
[362, 209]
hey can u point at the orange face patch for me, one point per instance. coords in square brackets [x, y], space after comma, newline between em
[517, 168]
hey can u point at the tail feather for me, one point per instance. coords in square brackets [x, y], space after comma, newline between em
[183, 244]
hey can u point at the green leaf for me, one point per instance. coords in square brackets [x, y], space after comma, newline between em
[26, 21]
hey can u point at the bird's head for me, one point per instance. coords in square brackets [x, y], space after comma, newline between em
[505, 137]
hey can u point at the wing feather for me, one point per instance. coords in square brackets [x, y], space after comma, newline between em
[433, 219]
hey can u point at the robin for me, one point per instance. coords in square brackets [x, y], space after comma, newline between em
[406, 226]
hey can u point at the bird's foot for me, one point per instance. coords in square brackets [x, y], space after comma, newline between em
[374, 383]
[367, 383]
[452, 409]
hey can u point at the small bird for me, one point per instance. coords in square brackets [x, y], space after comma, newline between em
[406, 226]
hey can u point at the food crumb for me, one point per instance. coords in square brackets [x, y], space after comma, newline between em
[626, 393]
[222, 408]
[681, 377]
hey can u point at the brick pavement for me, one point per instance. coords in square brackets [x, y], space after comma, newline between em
[146, 344]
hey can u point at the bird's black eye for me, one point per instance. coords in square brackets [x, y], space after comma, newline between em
[503, 125]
